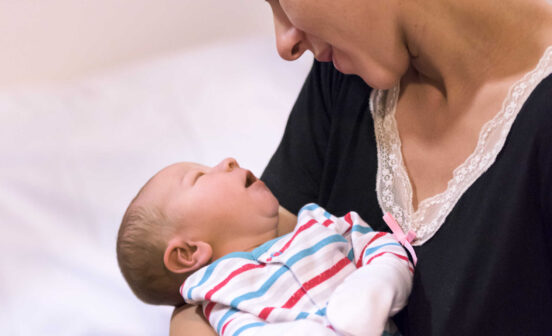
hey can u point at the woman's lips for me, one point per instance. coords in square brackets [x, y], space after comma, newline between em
[328, 56]
[325, 55]
[336, 64]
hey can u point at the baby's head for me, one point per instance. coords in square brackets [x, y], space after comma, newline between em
[184, 217]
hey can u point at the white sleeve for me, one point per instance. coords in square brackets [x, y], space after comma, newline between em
[363, 303]
[378, 289]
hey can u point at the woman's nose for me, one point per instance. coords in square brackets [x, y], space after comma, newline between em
[291, 42]
[227, 164]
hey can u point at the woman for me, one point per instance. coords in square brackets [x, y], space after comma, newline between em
[455, 141]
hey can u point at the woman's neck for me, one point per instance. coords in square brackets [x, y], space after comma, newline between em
[459, 46]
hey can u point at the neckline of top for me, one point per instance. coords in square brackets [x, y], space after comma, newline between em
[393, 186]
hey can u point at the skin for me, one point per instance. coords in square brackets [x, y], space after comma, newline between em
[214, 211]
[455, 62]
[199, 198]
[319, 26]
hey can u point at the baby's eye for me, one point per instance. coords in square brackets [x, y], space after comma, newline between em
[199, 174]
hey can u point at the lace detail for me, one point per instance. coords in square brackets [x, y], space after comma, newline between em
[393, 184]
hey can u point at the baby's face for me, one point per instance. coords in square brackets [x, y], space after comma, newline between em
[225, 198]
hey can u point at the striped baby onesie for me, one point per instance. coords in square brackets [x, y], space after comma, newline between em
[291, 277]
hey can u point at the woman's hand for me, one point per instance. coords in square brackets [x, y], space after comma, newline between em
[189, 320]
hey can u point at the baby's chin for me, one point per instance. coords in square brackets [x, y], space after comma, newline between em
[273, 205]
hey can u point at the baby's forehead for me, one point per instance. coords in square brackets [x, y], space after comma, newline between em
[179, 169]
[168, 176]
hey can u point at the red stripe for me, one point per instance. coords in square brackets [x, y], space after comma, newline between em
[376, 237]
[265, 312]
[382, 253]
[349, 220]
[224, 327]
[208, 308]
[295, 298]
[316, 281]
[235, 273]
[301, 229]
[327, 222]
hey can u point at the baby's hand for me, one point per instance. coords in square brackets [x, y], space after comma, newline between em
[363, 303]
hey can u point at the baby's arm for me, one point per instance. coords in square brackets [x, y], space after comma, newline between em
[228, 321]
[379, 288]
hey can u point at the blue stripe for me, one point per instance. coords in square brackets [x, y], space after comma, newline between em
[256, 253]
[327, 215]
[212, 266]
[351, 255]
[261, 291]
[375, 248]
[362, 229]
[248, 326]
[302, 315]
[295, 258]
[313, 249]
[229, 313]
[321, 312]
[310, 206]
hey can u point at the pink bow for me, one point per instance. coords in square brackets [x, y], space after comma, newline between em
[404, 239]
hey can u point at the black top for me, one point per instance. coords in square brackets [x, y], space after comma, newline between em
[488, 270]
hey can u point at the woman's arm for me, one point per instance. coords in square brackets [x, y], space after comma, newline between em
[189, 320]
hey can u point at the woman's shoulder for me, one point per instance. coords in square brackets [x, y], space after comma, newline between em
[538, 107]
[532, 127]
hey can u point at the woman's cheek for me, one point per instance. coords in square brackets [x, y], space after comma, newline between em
[299, 13]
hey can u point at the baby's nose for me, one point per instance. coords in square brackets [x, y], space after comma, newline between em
[228, 164]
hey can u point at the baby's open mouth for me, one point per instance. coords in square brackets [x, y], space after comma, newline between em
[249, 179]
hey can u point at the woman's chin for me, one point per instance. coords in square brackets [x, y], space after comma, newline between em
[384, 81]
[375, 74]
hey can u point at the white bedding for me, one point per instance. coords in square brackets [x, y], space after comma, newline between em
[74, 155]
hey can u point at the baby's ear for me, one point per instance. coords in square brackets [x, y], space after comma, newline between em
[183, 256]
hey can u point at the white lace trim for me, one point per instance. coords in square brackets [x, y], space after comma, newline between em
[393, 184]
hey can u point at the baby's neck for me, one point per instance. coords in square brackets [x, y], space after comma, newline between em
[241, 244]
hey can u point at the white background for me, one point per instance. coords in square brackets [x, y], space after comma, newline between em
[95, 97]
[41, 40]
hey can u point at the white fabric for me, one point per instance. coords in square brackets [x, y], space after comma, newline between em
[393, 184]
[378, 291]
[74, 155]
[294, 276]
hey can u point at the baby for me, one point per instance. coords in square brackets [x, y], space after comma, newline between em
[210, 236]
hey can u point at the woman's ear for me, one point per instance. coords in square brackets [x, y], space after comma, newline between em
[183, 256]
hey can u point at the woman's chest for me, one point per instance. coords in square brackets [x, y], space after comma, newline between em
[429, 167]
[436, 140]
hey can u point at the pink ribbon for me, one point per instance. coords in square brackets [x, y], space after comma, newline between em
[398, 233]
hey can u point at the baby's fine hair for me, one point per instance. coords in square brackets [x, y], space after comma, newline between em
[141, 244]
